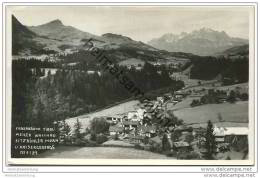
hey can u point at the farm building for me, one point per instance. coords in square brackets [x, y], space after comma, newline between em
[113, 119]
[219, 134]
[181, 146]
[116, 129]
[129, 125]
[226, 131]
[148, 131]
[136, 115]
[234, 135]
[230, 135]
[135, 138]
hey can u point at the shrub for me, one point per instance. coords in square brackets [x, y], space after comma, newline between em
[79, 142]
[228, 158]
[116, 137]
[67, 141]
[189, 138]
[99, 125]
[244, 96]
[232, 97]
[90, 143]
[146, 140]
[189, 155]
[93, 137]
[156, 148]
[195, 103]
[139, 147]
[171, 153]
[101, 139]
[87, 131]
[176, 135]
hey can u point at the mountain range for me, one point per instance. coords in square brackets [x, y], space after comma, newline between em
[201, 42]
[56, 30]
[57, 37]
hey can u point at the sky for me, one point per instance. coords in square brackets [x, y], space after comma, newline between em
[141, 23]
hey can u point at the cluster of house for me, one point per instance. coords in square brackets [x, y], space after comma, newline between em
[131, 124]
[42, 57]
[130, 127]
[229, 135]
[46, 57]
[133, 127]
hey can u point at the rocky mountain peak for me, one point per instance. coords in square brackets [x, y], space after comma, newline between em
[115, 36]
[55, 22]
[204, 41]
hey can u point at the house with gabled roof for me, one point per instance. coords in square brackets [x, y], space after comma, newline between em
[135, 138]
[130, 125]
[181, 146]
[147, 131]
[115, 129]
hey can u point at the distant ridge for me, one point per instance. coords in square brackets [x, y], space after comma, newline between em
[57, 30]
[203, 42]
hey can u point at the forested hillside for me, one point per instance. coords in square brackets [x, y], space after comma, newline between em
[231, 71]
[73, 92]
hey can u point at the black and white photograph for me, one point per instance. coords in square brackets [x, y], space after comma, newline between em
[153, 83]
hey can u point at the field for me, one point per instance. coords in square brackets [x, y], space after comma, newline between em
[213, 85]
[185, 103]
[237, 112]
[233, 115]
[131, 62]
[117, 143]
[100, 153]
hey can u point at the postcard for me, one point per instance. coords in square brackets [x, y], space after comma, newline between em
[130, 85]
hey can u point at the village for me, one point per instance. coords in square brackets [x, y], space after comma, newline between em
[152, 126]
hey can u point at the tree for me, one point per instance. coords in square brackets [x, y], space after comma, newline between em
[244, 97]
[87, 131]
[65, 127]
[49, 73]
[176, 135]
[99, 125]
[101, 138]
[116, 137]
[210, 142]
[165, 143]
[189, 138]
[93, 137]
[195, 103]
[232, 97]
[64, 131]
[77, 128]
[39, 115]
[168, 119]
